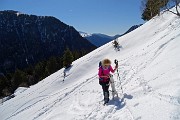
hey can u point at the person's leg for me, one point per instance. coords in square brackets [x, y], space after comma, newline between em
[104, 90]
[106, 93]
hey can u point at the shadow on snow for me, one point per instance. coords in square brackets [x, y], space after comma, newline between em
[120, 102]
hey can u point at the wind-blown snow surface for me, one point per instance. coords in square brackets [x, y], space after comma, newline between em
[149, 67]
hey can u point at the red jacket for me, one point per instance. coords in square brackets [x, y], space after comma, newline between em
[105, 72]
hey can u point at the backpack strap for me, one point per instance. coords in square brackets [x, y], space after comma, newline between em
[103, 71]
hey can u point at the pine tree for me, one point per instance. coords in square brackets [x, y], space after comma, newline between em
[52, 65]
[67, 58]
[59, 60]
[38, 72]
[3, 84]
[76, 55]
[152, 8]
[115, 44]
[19, 79]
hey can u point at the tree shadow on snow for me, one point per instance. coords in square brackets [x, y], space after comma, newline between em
[68, 68]
[118, 48]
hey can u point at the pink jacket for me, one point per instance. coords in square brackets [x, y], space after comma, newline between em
[105, 72]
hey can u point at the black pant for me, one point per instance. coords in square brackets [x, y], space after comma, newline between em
[105, 87]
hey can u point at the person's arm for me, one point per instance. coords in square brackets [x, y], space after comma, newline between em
[113, 70]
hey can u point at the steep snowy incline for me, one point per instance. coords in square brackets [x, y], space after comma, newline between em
[149, 67]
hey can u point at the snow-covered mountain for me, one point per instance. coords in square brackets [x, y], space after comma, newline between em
[99, 39]
[83, 34]
[149, 67]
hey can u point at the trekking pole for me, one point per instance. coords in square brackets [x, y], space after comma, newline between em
[116, 62]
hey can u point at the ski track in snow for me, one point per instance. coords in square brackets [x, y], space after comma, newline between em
[67, 95]
[128, 72]
[127, 69]
[83, 94]
[60, 98]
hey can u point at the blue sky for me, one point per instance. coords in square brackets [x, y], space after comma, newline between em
[92, 16]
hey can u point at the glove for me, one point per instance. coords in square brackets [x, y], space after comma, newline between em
[100, 79]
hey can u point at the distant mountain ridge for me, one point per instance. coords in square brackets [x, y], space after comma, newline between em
[99, 39]
[132, 28]
[28, 39]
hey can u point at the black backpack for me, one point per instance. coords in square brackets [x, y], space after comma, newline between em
[100, 66]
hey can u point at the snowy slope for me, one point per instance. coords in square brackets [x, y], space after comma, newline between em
[149, 65]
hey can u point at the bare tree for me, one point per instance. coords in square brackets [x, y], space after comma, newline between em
[151, 8]
[172, 3]
[143, 6]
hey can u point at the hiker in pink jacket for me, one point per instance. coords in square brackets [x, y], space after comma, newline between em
[104, 77]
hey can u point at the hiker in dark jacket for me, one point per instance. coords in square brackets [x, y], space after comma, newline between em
[104, 77]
